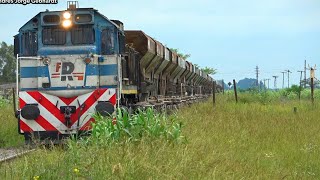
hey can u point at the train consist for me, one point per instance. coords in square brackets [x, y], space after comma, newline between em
[76, 62]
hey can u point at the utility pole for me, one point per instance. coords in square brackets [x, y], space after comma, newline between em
[300, 85]
[288, 71]
[283, 79]
[257, 77]
[305, 73]
[264, 83]
[275, 82]
[312, 76]
[268, 83]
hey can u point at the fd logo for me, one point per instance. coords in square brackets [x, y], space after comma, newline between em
[65, 70]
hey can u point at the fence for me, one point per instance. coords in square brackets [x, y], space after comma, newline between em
[6, 90]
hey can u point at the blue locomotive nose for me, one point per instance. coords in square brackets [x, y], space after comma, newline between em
[30, 112]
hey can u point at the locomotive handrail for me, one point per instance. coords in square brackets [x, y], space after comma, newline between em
[17, 82]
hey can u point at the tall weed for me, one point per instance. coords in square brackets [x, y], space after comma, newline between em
[133, 127]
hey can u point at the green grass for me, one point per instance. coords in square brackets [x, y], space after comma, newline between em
[9, 136]
[248, 140]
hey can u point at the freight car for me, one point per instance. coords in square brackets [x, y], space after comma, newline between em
[76, 62]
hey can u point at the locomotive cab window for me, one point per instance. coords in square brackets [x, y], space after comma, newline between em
[29, 43]
[53, 36]
[107, 42]
[82, 35]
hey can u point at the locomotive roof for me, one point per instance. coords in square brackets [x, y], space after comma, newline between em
[78, 9]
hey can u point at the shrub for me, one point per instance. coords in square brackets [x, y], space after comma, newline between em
[133, 127]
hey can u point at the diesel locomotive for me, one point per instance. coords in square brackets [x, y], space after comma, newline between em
[76, 62]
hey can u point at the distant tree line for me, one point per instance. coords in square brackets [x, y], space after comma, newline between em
[7, 63]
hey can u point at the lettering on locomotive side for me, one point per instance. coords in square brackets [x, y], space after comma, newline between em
[65, 70]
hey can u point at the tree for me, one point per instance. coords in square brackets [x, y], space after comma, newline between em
[209, 70]
[7, 63]
[184, 56]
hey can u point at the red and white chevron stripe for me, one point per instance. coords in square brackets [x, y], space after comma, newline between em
[51, 119]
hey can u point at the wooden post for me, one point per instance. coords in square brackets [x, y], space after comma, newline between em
[235, 90]
[222, 86]
[312, 91]
[214, 92]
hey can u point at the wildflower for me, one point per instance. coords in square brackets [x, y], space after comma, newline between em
[36, 177]
[269, 155]
[76, 171]
[114, 121]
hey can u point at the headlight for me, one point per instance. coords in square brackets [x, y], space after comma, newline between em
[66, 15]
[66, 23]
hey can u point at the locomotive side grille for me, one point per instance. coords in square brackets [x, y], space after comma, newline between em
[82, 35]
[53, 36]
[29, 43]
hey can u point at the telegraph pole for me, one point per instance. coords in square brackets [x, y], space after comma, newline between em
[305, 73]
[283, 79]
[257, 77]
[268, 83]
[275, 82]
[288, 71]
[264, 83]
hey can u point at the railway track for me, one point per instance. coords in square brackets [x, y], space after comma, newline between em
[13, 153]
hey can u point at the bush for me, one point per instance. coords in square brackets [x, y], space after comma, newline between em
[133, 127]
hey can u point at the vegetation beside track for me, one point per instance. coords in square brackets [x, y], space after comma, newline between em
[256, 138]
[9, 136]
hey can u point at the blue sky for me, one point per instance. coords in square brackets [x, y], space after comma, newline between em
[232, 36]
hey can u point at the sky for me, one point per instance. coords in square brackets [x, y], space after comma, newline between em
[232, 36]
